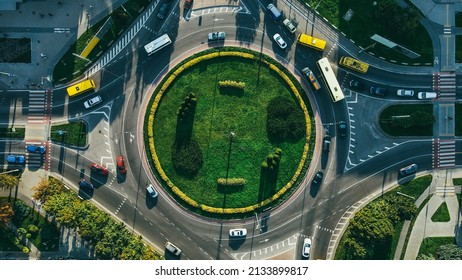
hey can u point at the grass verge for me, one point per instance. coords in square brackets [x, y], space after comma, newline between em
[390, 113]
[12, 132]
[386, 19]
[74, 133]
[441, 214]
[430, 245]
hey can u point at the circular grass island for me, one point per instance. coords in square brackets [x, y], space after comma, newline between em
[229, 133]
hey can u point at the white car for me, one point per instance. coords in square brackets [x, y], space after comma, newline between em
[426, 95]
[172, 248]
[281, 43]
[306, 249]
[92, 102]
[152, 191]
[289, 25]
[405, 92]
[238, 232]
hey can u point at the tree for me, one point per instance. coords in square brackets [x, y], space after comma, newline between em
[354, 249]
[404, 206]
[46, 188]
[449, 252]
[64, 206]
[6, 212]
[372, 223]
[8, 182]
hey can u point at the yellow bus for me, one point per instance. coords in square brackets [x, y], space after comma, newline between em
[354, 64]
[311, 42]
[81, 87]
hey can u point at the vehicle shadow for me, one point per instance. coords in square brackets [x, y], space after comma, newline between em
[150, 202]
[314, 189]
[121, 178]
[236, 242]
[98, 180]
[170, 256]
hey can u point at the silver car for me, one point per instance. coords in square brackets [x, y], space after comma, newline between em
[172, 248]
[306, 249]
[92, 102]
[216, 36]
[152, 191]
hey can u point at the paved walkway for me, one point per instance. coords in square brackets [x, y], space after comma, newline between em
[53, 28]
[441, 190]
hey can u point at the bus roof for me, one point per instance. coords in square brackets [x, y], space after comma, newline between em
[157, 44]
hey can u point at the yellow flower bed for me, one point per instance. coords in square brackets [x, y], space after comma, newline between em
[164, 176]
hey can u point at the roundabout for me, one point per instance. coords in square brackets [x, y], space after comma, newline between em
[203, 136]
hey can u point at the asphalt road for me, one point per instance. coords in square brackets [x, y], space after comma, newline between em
[354, 168]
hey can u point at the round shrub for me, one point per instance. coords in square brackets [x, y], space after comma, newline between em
[25, 250]
[22, 231]
[187, 158]
[32, 229]
[28, 235]
[285, 120]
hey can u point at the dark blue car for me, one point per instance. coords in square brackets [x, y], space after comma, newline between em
[86, 185]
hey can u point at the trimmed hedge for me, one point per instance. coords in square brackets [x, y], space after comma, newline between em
[231, 84]
[231, 182]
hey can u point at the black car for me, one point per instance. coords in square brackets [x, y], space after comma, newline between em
[356, 85]
[318, 178]
[378, 91]
[342, 128]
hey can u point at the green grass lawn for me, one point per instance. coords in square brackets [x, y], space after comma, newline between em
[457, 181]
[416, 187]
[366, 21]
[459, 19]
[218, 114]
[402, 110]
[458, 48]
[8, 132]
[74, 133]
[431, 244]
[47, 238]
[441, 214]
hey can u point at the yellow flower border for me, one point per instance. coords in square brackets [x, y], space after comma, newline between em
[174, 188]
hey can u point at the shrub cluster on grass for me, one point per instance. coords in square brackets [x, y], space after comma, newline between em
[187, 157]
[187, 108]
[285, 120]
[231, 84]
[231, 182]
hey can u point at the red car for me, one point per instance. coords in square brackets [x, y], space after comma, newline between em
[187, 4]
[121, 164]
[99, 169]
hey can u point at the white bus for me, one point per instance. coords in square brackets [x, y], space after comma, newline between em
[330, 80]
[158, 44]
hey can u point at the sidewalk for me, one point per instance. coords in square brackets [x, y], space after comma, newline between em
[52, 28]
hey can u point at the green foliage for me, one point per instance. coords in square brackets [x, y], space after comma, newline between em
[231, 182]
[46, 188]
[403, 208]
[8, 182]
[28, 235]
[33, 229]
[75, 133]
[394, 120]
[285, 120]
[111, 239]
[373, 222]
[22, 231]
[187, 158]
[457, 181]
[449, 252]
[422, 118]
[187, 108]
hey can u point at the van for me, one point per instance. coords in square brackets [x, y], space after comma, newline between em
[274, 12]
[426, 95]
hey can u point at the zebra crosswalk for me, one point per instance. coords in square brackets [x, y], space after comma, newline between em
[34, 160]
[444, 153]
[445, 85]
[37, 106]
